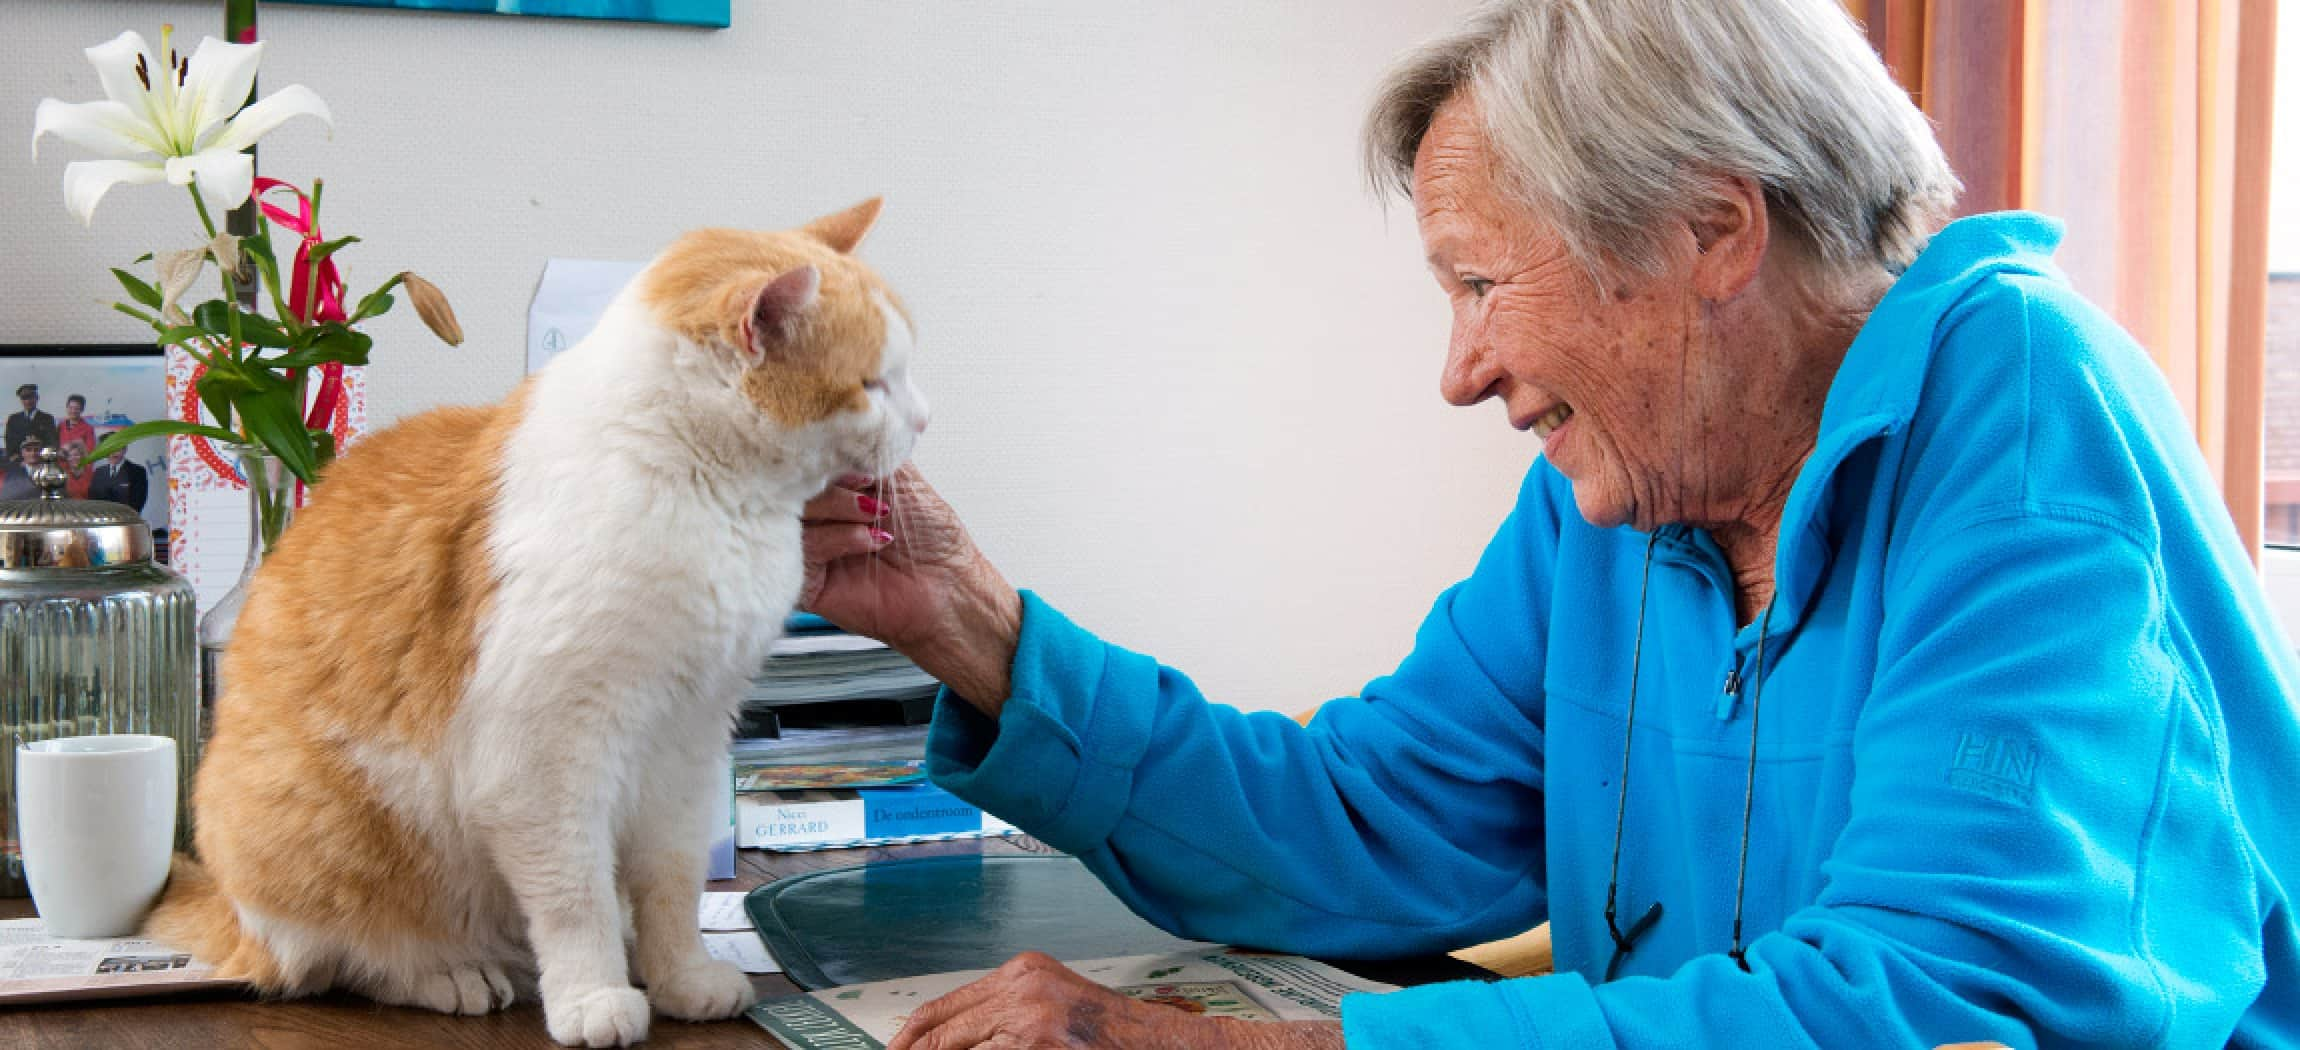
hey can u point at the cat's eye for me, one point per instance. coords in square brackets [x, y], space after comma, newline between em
[1477, 286]
[875, 386]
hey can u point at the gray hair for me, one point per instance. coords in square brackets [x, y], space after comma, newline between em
[1611, 117]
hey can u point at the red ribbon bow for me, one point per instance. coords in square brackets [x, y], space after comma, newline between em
[308, 307]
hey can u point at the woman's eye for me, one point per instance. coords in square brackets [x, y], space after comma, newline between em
[1477, 286]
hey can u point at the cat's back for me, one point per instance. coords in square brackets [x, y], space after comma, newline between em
[369, 607]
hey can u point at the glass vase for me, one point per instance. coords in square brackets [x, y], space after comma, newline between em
[272, 497]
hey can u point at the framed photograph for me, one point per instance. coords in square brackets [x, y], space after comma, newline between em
[712, 13]
[68, 397]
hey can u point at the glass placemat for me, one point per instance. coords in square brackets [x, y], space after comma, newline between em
[904, 918]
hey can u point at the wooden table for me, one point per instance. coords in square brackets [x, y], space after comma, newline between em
[339, 1021]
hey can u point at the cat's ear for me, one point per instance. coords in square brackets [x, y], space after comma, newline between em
[843, 230]
[773, 321]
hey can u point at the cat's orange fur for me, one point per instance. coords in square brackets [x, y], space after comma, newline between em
[703, 290]
[363, 628]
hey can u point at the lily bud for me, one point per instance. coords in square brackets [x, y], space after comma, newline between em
[431, 305]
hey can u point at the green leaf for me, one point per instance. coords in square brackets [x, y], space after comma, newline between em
[332, 342]
[377, 301]
[215, 316]
[260, 248]
[138, 289]
[238, 381]
[218, 402]
[144, 258]
[181, 334]
[320, 251]
[324, 442]
[272, 420]
[128, 435]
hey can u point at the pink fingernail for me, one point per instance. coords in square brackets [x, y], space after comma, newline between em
[870, 506]
[881, 537]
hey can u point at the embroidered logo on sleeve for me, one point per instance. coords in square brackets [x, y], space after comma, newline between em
[2000, 767]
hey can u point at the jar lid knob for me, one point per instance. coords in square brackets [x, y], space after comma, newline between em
[49, 477]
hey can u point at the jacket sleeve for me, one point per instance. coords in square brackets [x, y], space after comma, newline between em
[1404, 820]
[2035, 853]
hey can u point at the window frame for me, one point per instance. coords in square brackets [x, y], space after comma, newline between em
[2280, 573]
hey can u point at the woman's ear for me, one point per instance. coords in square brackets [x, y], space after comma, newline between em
[1730, 232]
[778, 309]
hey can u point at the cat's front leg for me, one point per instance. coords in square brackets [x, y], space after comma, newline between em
[663, 869]
[560, 861]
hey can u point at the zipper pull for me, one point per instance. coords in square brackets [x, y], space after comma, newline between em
[1730, 699]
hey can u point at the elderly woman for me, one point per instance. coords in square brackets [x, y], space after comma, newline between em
[1869, 659]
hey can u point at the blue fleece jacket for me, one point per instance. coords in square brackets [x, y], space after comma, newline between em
[2025, 717]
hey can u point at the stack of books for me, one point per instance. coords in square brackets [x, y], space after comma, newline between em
[813, 789]
[816, 663]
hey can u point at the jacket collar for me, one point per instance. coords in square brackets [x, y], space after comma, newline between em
[1876, 389]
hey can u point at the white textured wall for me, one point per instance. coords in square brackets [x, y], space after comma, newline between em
[1184, 367]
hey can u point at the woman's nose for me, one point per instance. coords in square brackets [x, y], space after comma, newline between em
[1467, 379]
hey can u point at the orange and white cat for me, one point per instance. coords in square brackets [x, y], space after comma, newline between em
[478, 698]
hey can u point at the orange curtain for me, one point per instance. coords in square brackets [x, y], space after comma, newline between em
[2145, 124]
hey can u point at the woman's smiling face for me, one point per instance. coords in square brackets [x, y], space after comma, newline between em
[1626, 407]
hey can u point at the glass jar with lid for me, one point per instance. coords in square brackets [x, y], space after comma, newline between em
[95, 637]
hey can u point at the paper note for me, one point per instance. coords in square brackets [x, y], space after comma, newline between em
[36, 967]
[743, 949]
[724, 911]
[568, 302]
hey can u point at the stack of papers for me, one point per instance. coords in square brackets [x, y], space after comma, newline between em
[830, 664]
[803, 759]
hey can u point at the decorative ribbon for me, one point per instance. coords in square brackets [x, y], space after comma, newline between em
[325, 303]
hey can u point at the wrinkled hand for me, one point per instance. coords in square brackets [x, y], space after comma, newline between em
[887, 558]
[1034, 1002]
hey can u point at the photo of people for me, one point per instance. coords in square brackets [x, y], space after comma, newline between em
[681, 12]
[69, 398]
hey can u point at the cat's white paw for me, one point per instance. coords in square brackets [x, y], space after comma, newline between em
[706, 990]
[479, 989]
[605, 1016]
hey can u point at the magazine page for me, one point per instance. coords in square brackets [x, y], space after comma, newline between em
[35, 967]
[1223, 982]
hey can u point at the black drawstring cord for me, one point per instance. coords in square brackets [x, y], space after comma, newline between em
[1749, 787]
[1621, 942]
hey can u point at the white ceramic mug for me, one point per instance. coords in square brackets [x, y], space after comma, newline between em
[96, 821]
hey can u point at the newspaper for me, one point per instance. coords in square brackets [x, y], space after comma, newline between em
[1220, 982]
[36, 968]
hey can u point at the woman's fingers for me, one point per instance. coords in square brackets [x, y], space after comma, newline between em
[827, 542]
[839, 503]
[943, 1022]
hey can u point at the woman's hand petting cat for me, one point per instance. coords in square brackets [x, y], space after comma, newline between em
[1035, 1002]
[887, 558]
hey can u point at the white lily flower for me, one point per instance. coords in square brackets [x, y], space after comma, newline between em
[170, 117]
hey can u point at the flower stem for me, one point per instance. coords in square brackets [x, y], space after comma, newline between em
[138, 315]
[231, 294]
[311, 279]
[206, 223]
